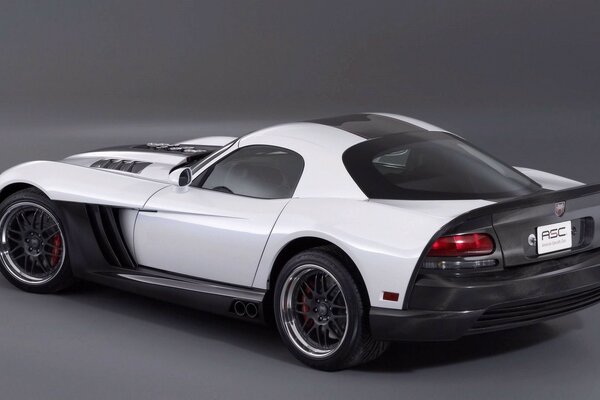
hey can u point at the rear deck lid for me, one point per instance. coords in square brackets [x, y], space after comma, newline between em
[548, 225]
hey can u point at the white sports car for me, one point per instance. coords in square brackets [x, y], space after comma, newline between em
[347, 232]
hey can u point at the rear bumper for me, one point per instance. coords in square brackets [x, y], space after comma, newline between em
[449, 307]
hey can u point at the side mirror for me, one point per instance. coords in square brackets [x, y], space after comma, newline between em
[181, 177]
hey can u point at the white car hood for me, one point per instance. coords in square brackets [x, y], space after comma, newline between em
[160, 165]
[158, 162]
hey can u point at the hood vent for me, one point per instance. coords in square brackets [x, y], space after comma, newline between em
[135, 167]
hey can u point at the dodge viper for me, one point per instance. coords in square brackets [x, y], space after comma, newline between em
[346, 233]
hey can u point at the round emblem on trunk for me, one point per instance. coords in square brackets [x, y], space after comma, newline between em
[560, 208]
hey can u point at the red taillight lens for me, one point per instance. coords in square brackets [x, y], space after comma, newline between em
[472, 244]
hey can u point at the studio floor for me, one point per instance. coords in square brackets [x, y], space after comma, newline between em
[110, 344]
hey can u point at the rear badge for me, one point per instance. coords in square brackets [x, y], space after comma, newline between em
[560, 208]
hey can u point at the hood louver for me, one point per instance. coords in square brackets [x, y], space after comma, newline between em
[135, 167]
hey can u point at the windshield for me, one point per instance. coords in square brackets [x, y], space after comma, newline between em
[432, 166]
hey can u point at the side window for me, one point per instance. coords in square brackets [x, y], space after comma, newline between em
[394, 159]
[264, 172]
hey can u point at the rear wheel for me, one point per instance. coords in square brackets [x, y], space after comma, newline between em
[320, 312]
[33, 247]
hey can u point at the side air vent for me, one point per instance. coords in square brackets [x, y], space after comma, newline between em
[135, 167]
[106, 226]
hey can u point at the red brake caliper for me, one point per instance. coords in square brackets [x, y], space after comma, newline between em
[305, 306]
[56, 250]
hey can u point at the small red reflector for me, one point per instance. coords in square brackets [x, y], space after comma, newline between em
[472, 244]
[391, 296]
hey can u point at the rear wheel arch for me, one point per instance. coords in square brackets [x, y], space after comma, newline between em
[301, 244]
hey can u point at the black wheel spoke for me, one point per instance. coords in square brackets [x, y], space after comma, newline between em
[14, 250]
[28, 222]
[302, 308]
[34, 218]
[337, 326]
[19, 222]
[306, 322]
[304, 292]
[325, 335]
[53, 231]
[52, 246]
[44, 265]
[43, 217]
[318, 334]
[334, 289]
[25, 263]
[14, 232]
[31, 265]
[34, 264]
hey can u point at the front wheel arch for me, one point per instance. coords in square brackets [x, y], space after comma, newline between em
[64, 278]
[13, 188]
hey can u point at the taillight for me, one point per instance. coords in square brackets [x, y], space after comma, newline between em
[468, 245]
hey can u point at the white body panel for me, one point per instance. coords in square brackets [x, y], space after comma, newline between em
[416, 122]
[549, 181]
[128, 218]
[384, 240]
[205, 234]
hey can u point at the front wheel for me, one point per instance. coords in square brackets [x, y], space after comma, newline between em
[321, 314]
[33, 247]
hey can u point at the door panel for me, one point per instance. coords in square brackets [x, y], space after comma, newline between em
[205, 234]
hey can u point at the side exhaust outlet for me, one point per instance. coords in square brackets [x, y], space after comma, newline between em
[239, 308]
[251, 310]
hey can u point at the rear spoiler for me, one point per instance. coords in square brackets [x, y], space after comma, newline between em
[536, 199]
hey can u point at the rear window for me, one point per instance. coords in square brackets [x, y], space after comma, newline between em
[432, 166]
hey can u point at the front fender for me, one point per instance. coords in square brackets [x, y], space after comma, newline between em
[76, 184]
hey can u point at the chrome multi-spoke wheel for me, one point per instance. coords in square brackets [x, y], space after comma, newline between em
[314, 309]
[32, 244]
[321, 310]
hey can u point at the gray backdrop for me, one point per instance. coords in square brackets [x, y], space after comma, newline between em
[519, 78]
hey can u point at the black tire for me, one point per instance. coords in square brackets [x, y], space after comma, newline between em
[355, 346]
[59, 275]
